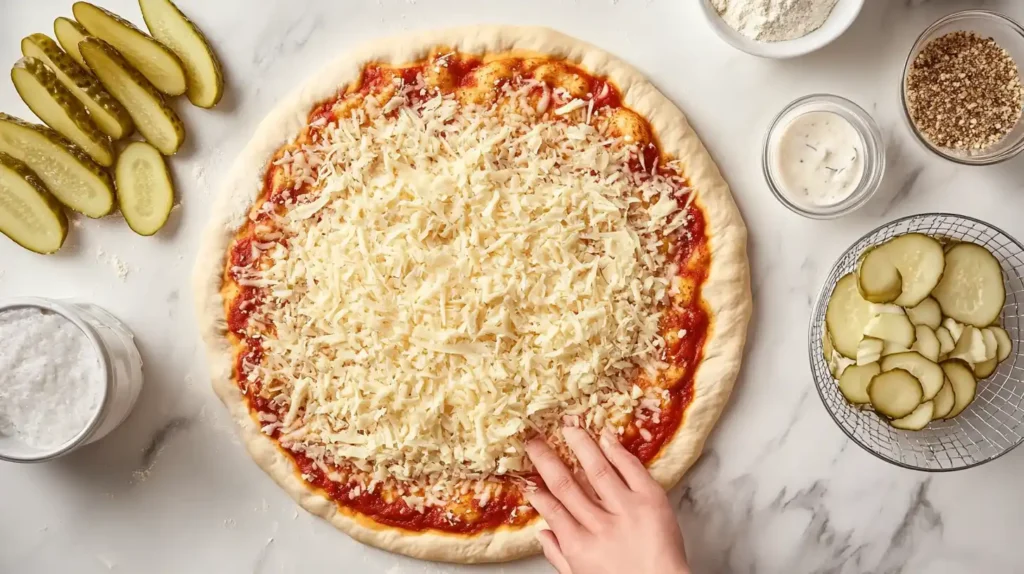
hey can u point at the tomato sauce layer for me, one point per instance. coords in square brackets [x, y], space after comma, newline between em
[690, 253]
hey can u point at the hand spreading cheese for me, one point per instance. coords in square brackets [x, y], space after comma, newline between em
[616, 519]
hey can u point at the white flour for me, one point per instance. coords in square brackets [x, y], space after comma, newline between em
[774, 20]
[51, 382]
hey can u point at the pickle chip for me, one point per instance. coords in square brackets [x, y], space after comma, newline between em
[151, 58]
[145, 193]
[108, 114]
[71, 176]
[202, 69]
[60, 109]
[29, 215]
[70, 33]
[155, 120]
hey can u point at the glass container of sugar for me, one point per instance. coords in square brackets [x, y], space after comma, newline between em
[69, 374]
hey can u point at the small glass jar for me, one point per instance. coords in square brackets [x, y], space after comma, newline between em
[119, 360]
[871, 142]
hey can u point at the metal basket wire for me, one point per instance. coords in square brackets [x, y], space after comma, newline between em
[994, 423]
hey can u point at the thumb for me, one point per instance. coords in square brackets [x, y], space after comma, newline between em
[553, 552]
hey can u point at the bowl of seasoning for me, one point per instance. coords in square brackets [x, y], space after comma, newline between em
[69, 374]
[823, 156]
[961, 88]
[780, 29]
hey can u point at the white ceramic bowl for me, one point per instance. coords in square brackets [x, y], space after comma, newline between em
[843, 15]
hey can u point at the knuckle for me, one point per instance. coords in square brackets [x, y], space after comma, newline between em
[558, 510]
[602, 472]
[562, 484]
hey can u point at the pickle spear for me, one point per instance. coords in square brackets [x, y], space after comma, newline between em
[69, 33]
[158, 64]
[154, 119]
[29, 215]
[173, 29]
[144, 189]
[108, 114]
[59, 109]
[71, 176]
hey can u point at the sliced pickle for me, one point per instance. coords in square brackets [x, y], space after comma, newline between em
[151, 58]
[108, 114]
[71, 176]
[69, 33]
[173, 29]
[154, 119]
[965, 386]
[918, 419]
[145, 193]
[60, 109]
[29, 215]
[895, 393]
[971, 290]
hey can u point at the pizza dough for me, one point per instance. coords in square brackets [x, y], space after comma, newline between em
[726, 290]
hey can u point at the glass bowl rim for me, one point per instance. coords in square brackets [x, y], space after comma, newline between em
[922, 39]
[874, 167]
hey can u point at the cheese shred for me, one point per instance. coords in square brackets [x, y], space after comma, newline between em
[462, 277]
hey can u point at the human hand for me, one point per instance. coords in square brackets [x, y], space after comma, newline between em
[617, 519]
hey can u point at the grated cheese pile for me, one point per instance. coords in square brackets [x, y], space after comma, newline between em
[464, 276]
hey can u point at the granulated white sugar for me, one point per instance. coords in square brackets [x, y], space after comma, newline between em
[51, 379]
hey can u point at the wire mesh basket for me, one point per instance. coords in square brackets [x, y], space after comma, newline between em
[994, 423]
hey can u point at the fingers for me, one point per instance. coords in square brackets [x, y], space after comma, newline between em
[600, 473]
[553, 552]
[562, 485]
[554, 512]
[581, 479]
[629, 466]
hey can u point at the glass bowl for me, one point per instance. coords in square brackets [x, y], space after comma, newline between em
[1008, 34]
[871, 143]
[119, 361]
[994, 423]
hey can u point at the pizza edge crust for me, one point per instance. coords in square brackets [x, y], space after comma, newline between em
[727, 289]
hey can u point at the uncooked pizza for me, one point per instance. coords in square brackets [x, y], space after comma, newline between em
[448, 244]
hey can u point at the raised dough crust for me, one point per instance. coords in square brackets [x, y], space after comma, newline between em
[727, 289]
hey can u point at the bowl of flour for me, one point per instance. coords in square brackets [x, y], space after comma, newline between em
[780, 28]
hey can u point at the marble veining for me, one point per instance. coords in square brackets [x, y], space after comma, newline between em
[779, 488]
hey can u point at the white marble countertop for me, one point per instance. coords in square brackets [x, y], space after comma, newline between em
[779, 489]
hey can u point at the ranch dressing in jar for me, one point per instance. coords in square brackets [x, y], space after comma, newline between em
[819, 159]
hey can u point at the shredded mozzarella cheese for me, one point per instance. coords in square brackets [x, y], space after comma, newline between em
[461, 277]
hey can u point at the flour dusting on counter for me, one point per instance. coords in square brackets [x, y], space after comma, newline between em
[51, 379]
[117, 264]
[774, 20]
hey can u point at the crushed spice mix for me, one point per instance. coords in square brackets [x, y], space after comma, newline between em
[964, 92]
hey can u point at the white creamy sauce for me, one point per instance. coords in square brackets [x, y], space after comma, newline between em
[819, 159]
[51, 378]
